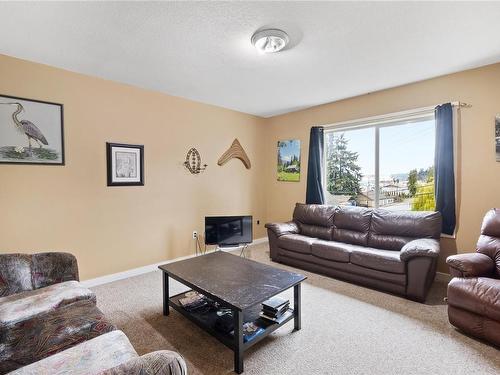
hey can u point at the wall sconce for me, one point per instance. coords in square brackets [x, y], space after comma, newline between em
[193, 162]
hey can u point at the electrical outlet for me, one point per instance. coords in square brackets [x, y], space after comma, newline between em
[195, 234]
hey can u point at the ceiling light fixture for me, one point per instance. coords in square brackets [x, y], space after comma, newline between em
[270, 40]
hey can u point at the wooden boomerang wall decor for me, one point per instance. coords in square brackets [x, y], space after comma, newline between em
[235, 151]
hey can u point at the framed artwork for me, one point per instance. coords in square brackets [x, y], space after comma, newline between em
[289, 160]
[125, 164]
[497, 136]
[31, 131]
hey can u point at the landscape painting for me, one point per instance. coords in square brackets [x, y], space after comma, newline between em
[497, 136]
[31, 131]
[289, 160]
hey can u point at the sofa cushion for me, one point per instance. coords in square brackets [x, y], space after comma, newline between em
[316, 231]
[382, 260]
[90, 357]
[331, 250]
[329, 267]
[15, 274]
[315, 220]
[53, 267]
[283, 253]
[489, 241]
[351, 225]
[164, 362]
[490, 246]
[480, 295]
[392, 230]
[314, 214]
[26, 305]
[42, 336]
[296, 242]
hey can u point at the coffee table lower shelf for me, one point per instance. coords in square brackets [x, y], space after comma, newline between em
[206, 321]
[261, 283]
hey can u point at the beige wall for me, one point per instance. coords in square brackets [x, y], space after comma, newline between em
[479, 173]
[112, 229]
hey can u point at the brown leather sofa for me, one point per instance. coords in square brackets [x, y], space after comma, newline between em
[391, 251]
[474, 292]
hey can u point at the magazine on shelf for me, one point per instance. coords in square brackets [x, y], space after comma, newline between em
[275, 303]
[250, 331]
[275, 313]
[278, 320]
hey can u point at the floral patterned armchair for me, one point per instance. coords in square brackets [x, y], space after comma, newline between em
[50, 324]
[23, 272]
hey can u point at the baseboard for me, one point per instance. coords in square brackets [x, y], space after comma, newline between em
[129, 273]
[149, 268]
[258, 241]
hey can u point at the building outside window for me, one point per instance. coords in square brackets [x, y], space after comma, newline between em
[387, 163]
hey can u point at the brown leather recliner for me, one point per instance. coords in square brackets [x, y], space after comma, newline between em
[474, 292]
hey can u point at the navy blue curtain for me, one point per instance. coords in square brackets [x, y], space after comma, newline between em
[315, 167]
[444, 167]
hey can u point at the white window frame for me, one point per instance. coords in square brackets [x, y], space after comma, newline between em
[377, 122]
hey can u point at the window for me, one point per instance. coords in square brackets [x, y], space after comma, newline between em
[386, 163]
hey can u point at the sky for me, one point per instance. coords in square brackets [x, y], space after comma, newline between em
[402, 147]
[292, 148]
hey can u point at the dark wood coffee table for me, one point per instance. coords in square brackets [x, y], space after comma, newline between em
[236, 283]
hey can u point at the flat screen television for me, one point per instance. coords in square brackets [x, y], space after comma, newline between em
[228, 230]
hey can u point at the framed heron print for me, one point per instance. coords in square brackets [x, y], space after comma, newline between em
[125, 164]
[31, 131]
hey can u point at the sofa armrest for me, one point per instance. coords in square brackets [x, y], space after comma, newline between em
[283, 228]
[162, 362]
[422, 247]
[52, 268]
[470, 265]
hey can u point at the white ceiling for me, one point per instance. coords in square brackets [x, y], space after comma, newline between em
[202, 51]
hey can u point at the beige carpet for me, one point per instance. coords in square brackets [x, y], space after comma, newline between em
[346, 329]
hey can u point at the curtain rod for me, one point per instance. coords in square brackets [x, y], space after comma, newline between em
[415, 113]
[461, 104]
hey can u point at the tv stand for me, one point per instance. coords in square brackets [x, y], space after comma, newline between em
[242, 251]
